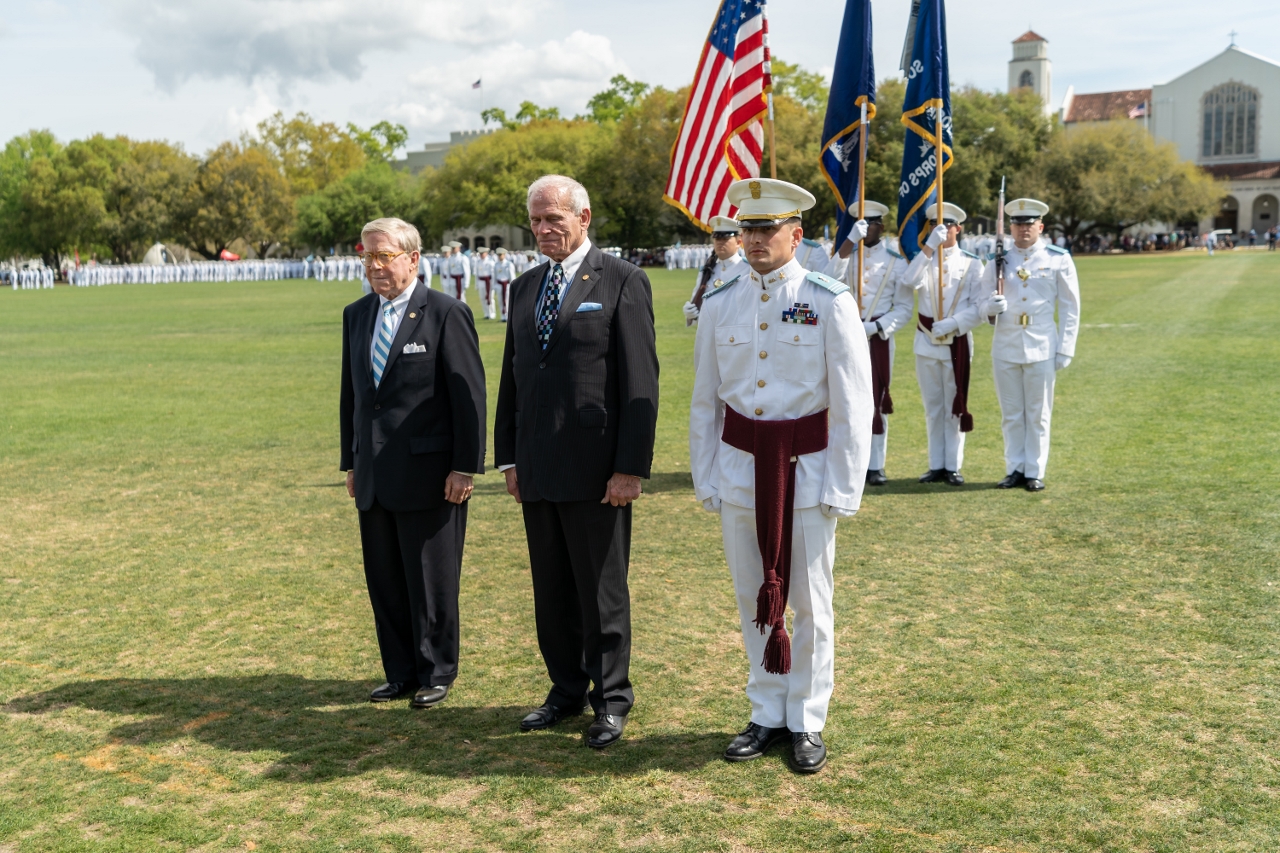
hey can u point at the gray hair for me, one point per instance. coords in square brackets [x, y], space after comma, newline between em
[570, 191]
[397, 229]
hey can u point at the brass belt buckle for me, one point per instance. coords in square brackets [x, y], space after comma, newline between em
[1025, 319]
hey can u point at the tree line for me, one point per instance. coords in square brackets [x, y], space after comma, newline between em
[296, 185]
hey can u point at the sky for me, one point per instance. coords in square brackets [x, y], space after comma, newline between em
[201, 71]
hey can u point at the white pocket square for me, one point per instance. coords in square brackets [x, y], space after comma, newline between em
[411, 348]
[591, 306]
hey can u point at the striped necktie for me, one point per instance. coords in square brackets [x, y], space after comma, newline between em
[382, 349]
[550, 306]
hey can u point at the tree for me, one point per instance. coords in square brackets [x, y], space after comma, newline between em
[16, 163]
[239, 192]
[335, 215]
[313, 155]
[528, 112]
[1113, 175]
[64, 201]
[145, 199]
[993, 134]
[613, 103]
[380, 142]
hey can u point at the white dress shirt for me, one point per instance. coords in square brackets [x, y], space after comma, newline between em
[570, 264]
[402, 304]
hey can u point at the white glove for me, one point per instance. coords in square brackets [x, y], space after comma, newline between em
[712, 504]
[997, 304]
[870, 328]
[1061, 362]
[836, 512]
[945, 326]
[858, 233]
[937, 237]
[690, 311]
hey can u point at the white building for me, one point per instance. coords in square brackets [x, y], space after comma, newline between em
[1030, 67]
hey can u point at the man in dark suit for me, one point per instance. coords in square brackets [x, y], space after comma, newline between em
[412, 419]
[577, 407]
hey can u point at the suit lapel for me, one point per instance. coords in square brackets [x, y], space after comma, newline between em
[364, 339]
[584, 281]
[408, 324]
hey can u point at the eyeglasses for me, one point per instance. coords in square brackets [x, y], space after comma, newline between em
[382, 258]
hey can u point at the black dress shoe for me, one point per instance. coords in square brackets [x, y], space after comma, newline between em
[547, 716]
[753, 742]
[1017, 478]
[428, 696]
[934, 475]
[392, 690]
[606, 729]
[808, 752]
[876, 478]
[1035, 485]
[955, 478]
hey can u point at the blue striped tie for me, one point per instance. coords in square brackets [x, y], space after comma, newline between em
[382, 348]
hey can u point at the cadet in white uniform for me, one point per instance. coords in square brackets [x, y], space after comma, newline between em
[1027, 347]
[943, 345]
[458, 270]
[483, 268]
[779, 437]
[813, 255]
[887, 302]
[504, 272]
[724, 263]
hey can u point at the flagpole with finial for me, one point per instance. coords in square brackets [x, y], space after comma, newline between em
[862, 194]
[768, 88]
[938, 309]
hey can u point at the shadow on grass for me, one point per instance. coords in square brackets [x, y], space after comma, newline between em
[319, 729]
[911, 486]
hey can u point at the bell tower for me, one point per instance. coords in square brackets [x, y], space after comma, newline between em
[1030, 67]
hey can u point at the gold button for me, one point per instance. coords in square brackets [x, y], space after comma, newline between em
[764, 326]
[796, 338]
[764, 354]
[759, 411]
[760, 383]
[731, 339]
[764, 297]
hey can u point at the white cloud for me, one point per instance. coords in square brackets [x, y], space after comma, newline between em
[246, 118]
[292, 40]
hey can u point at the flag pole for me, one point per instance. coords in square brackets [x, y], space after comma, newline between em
[939, 308]
[862, 195]
[768, 62]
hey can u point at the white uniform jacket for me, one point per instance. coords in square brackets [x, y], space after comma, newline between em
[483, 267]
[505, 271]
[961, 295]
[459, 265]
[886, 294]
[812, 255]
[1050, 284]
[722, 271]
[751, 354]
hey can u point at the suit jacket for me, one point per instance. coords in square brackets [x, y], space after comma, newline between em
[571, 416]
[427, 417]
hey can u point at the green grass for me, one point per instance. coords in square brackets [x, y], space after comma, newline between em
[186, 643]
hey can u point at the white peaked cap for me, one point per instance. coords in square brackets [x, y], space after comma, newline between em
[875, 210]
[764, 201]
[950, 211]
[454, 244]
[1023, 208]
[501, 250]
[723, 224]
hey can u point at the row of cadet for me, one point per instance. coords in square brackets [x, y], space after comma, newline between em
[38, 279]
[493, 273]
[1035, 314]
[271, 269]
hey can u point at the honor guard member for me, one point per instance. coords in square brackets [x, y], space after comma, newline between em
[458, 268]
[779, 438]
[887, 303]
[1027, 347]
[484, 280]
[724, 262]
[504, 272]
[812, 255]
[943, 345]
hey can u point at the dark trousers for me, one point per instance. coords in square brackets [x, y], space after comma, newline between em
[412, 562]
[579, 552]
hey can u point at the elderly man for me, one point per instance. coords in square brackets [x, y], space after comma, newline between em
[574, 432]
[412, 437]
[779, 439]
[724, 262]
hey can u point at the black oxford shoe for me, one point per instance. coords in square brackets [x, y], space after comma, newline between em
[933, 475]
[955, 478]
[753, 742]
[428, 696]
[876, 478]
[1017, 478]
[808, 752]
[546, 717]
[392, 690]
[1035, 485]
[605, 730]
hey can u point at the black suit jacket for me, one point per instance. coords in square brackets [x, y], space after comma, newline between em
[569, 417]
[427, 417]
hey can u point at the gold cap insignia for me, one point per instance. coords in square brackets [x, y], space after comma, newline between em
[755, 189]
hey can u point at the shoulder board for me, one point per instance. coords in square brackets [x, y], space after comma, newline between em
[991, 256]
[809, 242]
[720, 287]
[1057, 250]
[827, 283]
[970, 254]
[894, 254]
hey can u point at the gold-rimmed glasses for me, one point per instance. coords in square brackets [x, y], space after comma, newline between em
[381, 258]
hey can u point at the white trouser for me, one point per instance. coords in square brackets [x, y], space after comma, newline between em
[1025, 392]
[500, 293]
[938, 391]
[798, 700]
[879, 442]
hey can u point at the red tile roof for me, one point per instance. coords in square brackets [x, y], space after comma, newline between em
[1102, 106]
[1245, 171]
[1029, 35]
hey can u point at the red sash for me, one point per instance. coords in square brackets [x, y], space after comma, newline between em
[959, 364]
[880, 370]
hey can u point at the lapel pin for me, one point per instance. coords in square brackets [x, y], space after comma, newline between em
[412, 316]
[585, 276]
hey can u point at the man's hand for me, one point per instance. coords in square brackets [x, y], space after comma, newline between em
[457, 488]
[869, 327]
[690, 313]
[945, 326]
[837, 512]
[712, 504]
[621, 490]
[351, 484]
[513, 486]
[936, 237]
[858, 232]
[997, 304]
[1061, 362]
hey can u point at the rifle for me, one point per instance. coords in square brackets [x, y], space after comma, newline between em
[704, 280]
[999, 247]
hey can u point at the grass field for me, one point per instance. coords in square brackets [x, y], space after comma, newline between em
[186, 643]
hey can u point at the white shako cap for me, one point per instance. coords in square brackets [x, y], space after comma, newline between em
[1026, 209]
[764, 202]
[724, 225]
[951, 213]
[875, 210]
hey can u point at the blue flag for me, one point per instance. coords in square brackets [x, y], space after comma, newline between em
[853, 83]
[928, 96]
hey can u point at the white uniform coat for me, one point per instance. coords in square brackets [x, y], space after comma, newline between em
[1051, 285]
[886, 293]
[961, 296]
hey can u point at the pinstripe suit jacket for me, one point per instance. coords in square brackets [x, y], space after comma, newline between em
[571, 416]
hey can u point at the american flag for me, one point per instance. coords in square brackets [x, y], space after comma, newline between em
[475, 85]
[721, 136]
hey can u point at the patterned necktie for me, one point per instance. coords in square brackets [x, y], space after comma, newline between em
[550, 306]
[382, 348]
